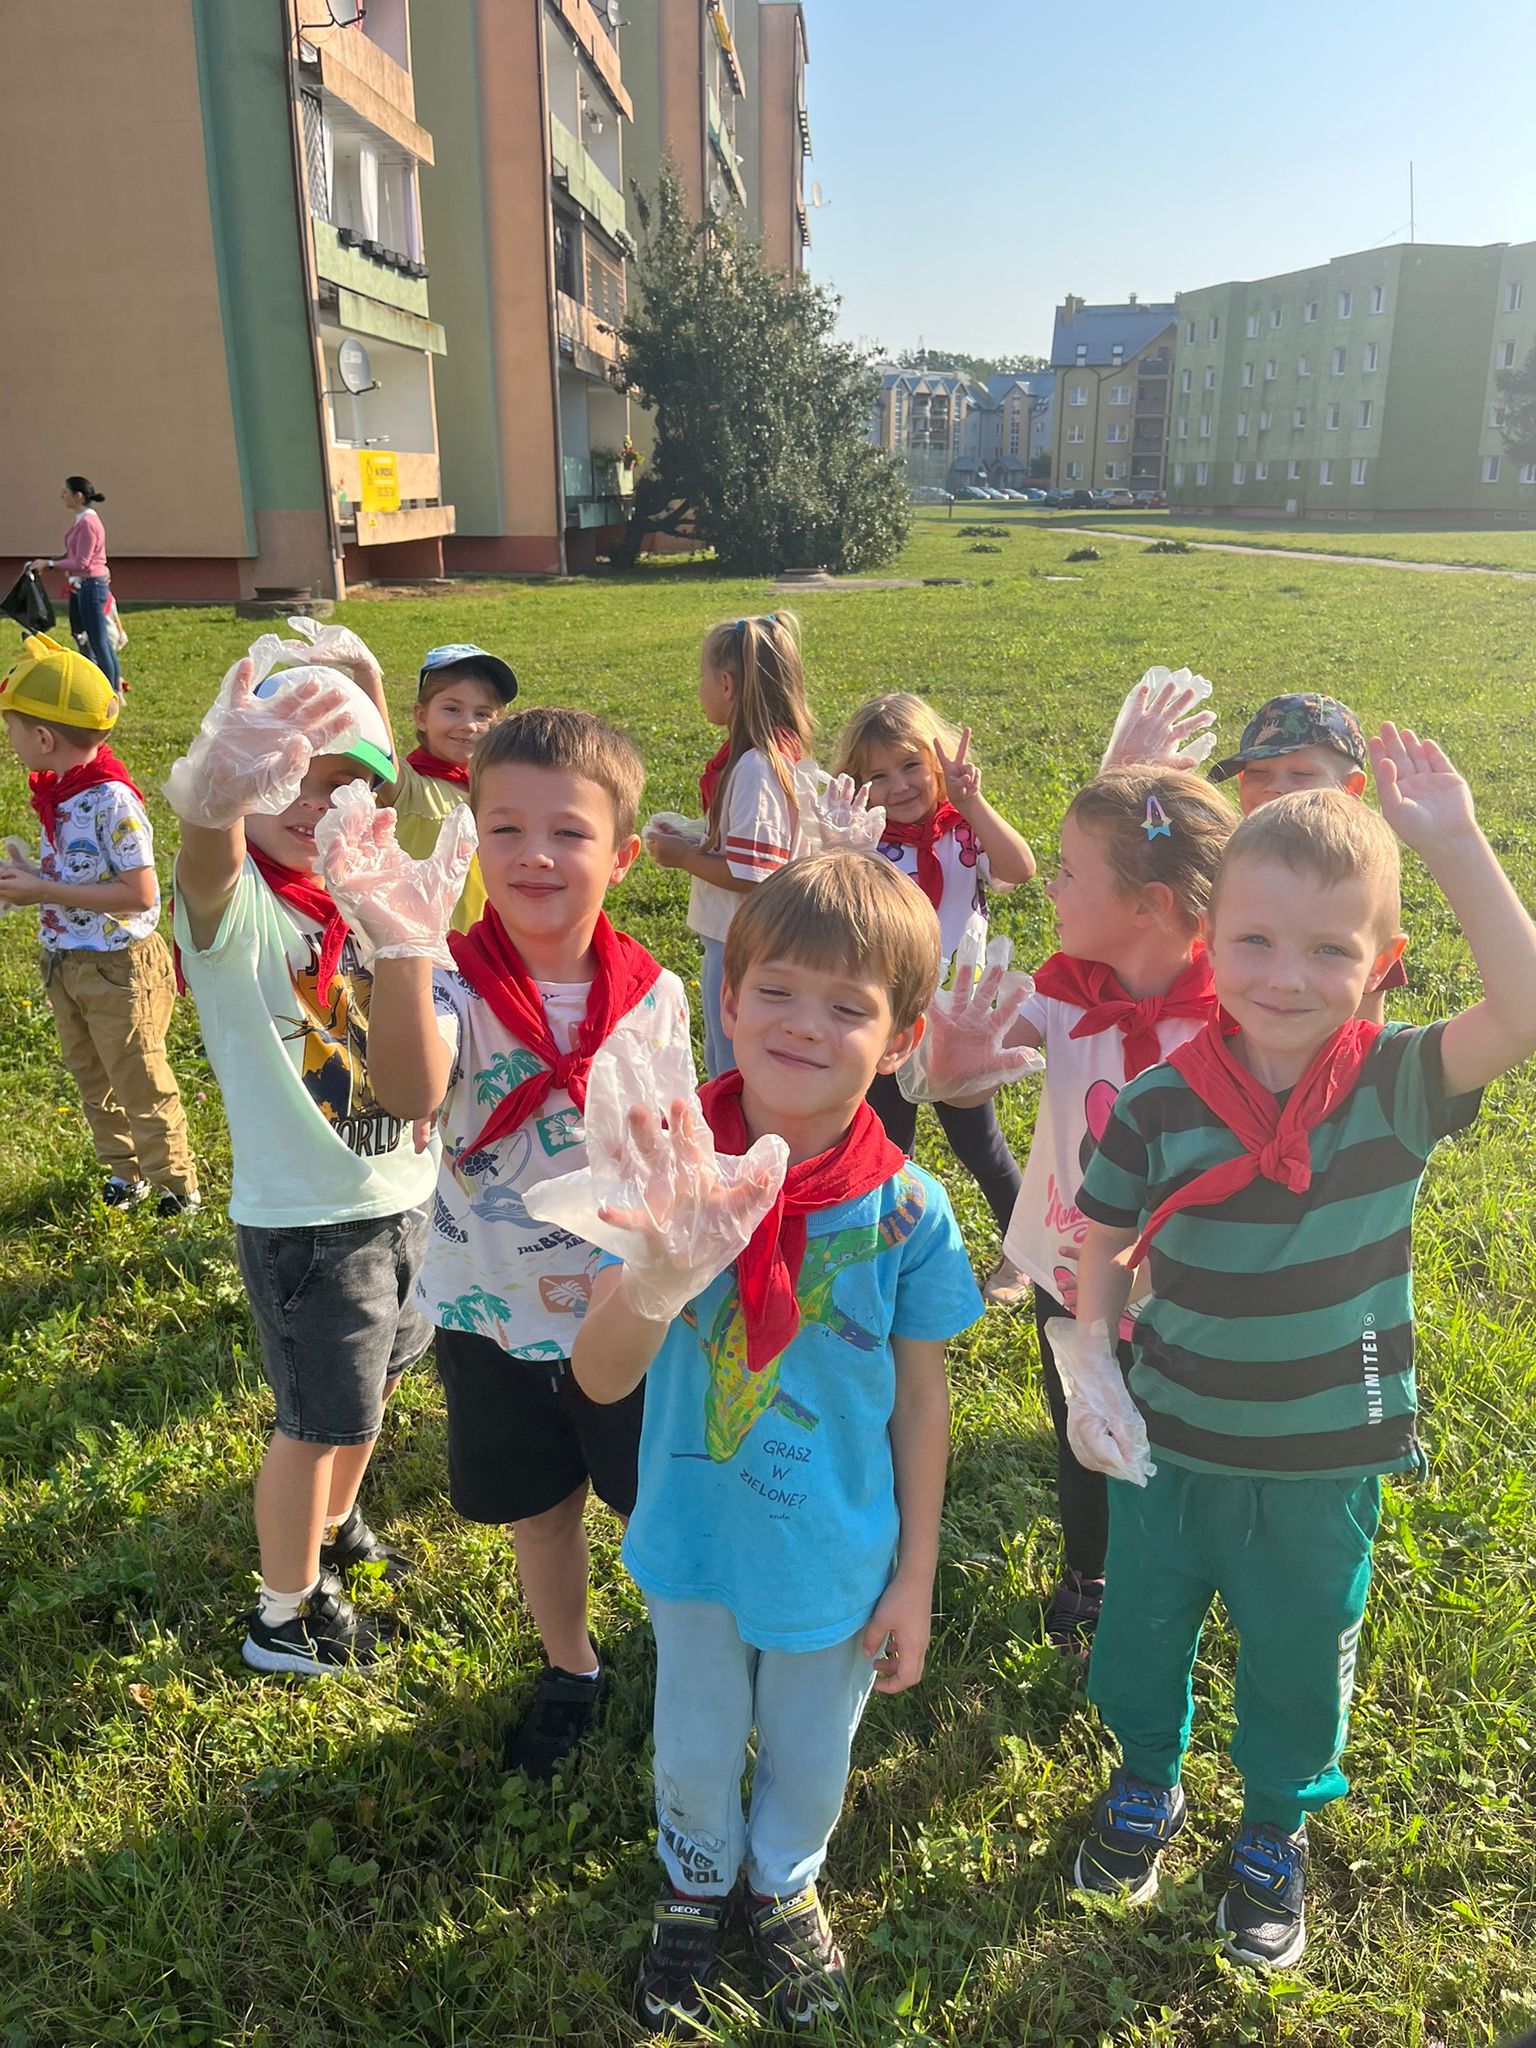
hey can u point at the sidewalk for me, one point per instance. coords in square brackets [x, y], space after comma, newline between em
[1089, 534]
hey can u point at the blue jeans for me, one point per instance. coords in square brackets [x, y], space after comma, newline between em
[718, 1056]
[712, 1690]
[88, 619]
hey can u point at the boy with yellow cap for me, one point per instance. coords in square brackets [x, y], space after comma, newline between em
[106, 968]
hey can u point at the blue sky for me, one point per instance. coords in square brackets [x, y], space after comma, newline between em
[1215, 141]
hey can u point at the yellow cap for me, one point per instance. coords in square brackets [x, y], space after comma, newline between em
[50, 681]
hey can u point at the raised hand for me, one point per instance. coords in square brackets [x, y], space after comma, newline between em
[1158, 725]
[334, 646]
[962, 1056]
[402, 907]
[1104, 1427]
[251, 752]
[1423, 797]
[962, 778]
[834, 816]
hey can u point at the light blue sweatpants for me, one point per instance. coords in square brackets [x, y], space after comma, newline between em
[719, 1057]
[712, 1690]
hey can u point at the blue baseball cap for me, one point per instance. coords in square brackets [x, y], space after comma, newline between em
[498, 672]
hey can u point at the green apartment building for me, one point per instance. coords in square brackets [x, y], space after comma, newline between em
[1358, 389]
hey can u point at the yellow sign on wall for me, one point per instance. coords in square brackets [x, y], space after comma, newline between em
[381, 483]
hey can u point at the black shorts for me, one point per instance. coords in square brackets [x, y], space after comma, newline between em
[522, 1436]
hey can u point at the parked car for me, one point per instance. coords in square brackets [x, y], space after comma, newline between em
[1035, 495]
[1112, 496]
[1150, 501]
[1071, 498]
[973, 492]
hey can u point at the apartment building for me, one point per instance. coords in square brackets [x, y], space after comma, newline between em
[1008, 428]
[1361, 387]
[927, 418]
[1113, 368]
[250, 373]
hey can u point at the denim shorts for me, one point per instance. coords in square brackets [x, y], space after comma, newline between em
[334, 1315]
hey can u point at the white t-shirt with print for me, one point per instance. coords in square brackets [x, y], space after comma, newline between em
[757, 835]
[966, 873]
[1082, 1078]
[489, 1267]
[100, 834]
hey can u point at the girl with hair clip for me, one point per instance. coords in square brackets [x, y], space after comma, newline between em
[752, 684]
[90, 586]
[1139, 852]
[949, 841]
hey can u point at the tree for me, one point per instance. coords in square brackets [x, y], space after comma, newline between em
[762, 444]
[948, 360]
[1517, 413]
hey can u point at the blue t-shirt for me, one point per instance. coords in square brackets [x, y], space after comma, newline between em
[773, 1493]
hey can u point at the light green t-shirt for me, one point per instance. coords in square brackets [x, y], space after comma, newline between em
[311, 1143]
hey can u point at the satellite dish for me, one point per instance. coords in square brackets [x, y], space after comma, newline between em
[817, 197]
[613, 12]
[353, 366]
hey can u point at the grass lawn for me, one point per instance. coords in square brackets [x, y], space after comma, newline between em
[1493, 548]
[191, 1856]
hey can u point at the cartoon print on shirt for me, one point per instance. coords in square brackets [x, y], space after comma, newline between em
[332, 1036]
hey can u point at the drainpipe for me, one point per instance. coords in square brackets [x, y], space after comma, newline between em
[547, 216]
[307, 251]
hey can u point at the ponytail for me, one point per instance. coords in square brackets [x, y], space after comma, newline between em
[768, 708]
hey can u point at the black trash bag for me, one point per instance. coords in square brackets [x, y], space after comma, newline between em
[28, 603]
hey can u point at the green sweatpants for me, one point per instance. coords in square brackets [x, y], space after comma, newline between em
[1291, 1559]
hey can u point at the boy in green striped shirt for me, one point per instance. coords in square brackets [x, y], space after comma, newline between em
[1270, 1177]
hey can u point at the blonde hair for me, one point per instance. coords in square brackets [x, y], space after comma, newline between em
[1185, 859]
[762, 658]
[842, 912]
[1330, 836]
[549, 736]
[898, 719]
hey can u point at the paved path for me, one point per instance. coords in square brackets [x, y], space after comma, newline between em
[1089, 534]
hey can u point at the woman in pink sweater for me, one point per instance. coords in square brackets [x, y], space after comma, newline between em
[85, 562]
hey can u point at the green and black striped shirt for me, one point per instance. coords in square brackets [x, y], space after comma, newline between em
[1279, 1336]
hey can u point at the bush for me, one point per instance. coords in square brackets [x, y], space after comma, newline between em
[1085, 555]
[1168, 547]
[984, 532]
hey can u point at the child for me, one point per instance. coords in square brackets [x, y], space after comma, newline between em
[792, 1463]
[1273, 1174]
[327, 1185]
[941, 833]
[751, 682]
[105, 966]
[498, 1045]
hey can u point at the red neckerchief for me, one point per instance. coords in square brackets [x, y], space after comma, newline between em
[1274, 1140]
[436, 768]
[49, 790]
[768, 1267]
[1095, 989]
[925, 836]
[787, 742]
[299, 890]
[494, 969]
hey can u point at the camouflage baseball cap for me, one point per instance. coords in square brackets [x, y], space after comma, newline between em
[1286, 724]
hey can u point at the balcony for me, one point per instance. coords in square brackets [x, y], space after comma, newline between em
[349, 266]
[354, 70]
[591, 344]
[723, 142]
[576, 171]
[721, 26]
[589, 481]
[1150, 403]
[1154, 366]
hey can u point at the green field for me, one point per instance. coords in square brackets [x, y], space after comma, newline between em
[192, 1856]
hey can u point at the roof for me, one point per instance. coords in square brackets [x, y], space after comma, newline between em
[1103, 328]
[1038, 383]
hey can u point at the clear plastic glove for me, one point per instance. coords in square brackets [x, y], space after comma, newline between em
[674, 825]
[1104, 1429]
[21, 860]
[402, 907]
[654, 1190]
[834, 817]
[337, 646]
[962, 1055]
[251, 752]
[1158, 725]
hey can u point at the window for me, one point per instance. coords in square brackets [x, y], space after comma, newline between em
[1506, 355]
[1202, 472]
[1117, 432]
[1514, 295]
[1117, 353]
[1271, 371]
[1357, 470]
[1178, 474]
[1212, 328]
[1113, 471]
[1189, 334]
[1346, 304]
[1183, 430]
[1261, 472]
[1074, 472]
[1299, 416]
[1119, 394]
[1336, 363]
[1274, 316]
[1490, 469]
[1082, 351]
[1242, 426]
[1263, 422]
[1205, 426]
[1184, 380]
[1239, 472]
[1311, 310]
[1247, 376]
[1363, 413]
[1370, 356]
[1075, 434]
[1378, 298]
[1210, 378]
[1253, 325]
[1528, 472]
[1325, 471]
[1077, 394]
[1303, 366]
[1331, 418]
[1293, 472]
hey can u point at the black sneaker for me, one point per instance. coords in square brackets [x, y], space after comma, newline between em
[168, 1203]
[326, 1635]
[682, 1964]
[1132, 1825]
[563, 1711]
[355, 1543]
[1073, 1614]
[792, 1939]
[118, 1193]
[1261, 1912]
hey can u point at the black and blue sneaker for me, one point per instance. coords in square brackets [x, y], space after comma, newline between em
[1132, 1825]
[1262, 1911]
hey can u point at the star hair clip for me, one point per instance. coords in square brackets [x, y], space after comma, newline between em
[1156, 824]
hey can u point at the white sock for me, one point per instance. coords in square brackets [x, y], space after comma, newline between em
[275, 1608]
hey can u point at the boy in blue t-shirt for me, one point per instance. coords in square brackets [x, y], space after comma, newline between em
[796, 1425]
